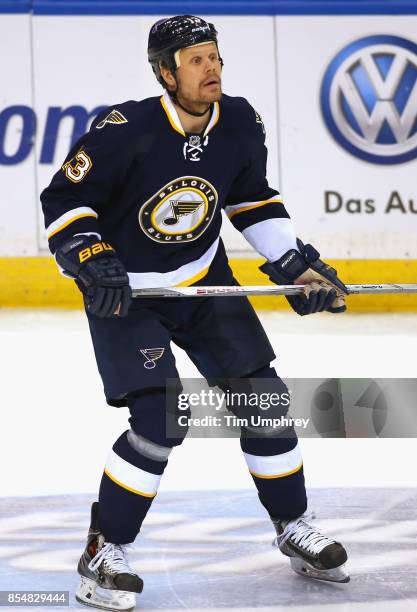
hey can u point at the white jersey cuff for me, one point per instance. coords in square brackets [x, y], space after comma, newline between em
[272, 238]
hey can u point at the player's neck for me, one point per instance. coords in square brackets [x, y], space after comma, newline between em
[191, 123]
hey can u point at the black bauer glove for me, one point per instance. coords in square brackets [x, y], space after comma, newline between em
[325, 290]
[98, 273]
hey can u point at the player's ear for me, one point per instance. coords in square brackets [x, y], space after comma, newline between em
[168, 77]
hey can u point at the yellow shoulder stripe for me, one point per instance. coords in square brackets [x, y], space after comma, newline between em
[252, 206]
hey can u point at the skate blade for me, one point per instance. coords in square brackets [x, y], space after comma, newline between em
[106, 599]
[337, 574]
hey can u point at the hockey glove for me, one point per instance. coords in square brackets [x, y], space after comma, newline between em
[98, 273]
[324, 291]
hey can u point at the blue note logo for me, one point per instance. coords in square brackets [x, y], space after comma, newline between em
[151, 355]
[369, 99]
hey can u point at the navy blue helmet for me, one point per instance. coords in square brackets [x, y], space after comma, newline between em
[169, 35]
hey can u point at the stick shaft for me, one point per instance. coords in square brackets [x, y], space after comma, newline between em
[177, 292]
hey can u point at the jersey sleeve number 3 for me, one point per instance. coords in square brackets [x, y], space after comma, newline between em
[78, 167]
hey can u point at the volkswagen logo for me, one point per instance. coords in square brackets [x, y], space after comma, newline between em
[369, 99]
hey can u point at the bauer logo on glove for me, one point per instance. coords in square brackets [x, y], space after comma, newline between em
[95, 249]
[99, 275]
[324, 290]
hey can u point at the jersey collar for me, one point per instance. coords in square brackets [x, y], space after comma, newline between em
[171, 112]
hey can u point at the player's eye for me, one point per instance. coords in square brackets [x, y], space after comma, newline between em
[196, 60]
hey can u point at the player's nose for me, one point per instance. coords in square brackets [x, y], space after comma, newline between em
[211, 64]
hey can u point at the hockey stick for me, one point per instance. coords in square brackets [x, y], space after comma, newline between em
[178, 292]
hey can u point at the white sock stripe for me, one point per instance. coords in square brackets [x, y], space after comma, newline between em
[130, 477]
[274, 465]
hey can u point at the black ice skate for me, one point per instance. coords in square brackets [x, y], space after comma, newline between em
[312, 554]
[105, 565]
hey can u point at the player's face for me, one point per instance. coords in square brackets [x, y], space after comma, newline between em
[199, 75]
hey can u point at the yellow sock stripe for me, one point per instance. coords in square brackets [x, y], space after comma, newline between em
[64, 225]
[278, 475]
[126, 487]
[251, 207]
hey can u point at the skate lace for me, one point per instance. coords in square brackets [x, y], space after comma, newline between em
[305, 536]
[114, 558]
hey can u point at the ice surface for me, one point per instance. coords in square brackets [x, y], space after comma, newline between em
[212, 551]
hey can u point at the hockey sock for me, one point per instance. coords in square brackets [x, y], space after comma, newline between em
[276, 466]
[134, 469]
[128, 486]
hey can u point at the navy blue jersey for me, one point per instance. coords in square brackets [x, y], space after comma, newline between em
[156, 194]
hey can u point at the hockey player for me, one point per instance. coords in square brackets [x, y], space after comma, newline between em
[138, 203]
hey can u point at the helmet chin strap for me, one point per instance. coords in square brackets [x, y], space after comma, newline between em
[187, 110]
[174, 98]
